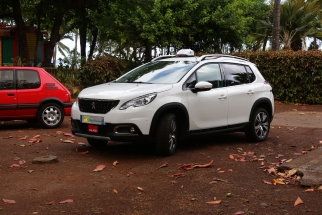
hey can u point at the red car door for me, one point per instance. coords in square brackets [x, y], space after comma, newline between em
[8, 95]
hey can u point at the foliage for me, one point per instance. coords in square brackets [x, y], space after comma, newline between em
[294, 76]
[100, 70]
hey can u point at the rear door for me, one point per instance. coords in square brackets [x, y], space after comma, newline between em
[8, 96]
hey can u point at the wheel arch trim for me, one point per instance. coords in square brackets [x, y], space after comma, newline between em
[264, 103]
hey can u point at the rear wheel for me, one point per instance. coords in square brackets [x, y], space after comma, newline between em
[96, 143]
[259, 126]
[166, 135]
[50, 115]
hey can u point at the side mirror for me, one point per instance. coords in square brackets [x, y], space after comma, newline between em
[202, 86]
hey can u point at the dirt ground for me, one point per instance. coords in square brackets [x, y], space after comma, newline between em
[237, 177]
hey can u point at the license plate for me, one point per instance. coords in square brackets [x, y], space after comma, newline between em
[97, 120]
[93, 128]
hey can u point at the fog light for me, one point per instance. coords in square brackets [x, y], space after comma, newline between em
[132, 130]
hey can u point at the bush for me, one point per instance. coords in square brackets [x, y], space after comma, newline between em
[295, 76]
[101, 70]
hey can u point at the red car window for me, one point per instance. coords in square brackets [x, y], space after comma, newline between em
[27, 79]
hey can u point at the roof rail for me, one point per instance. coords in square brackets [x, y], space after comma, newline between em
[203, 57]
[162, 57]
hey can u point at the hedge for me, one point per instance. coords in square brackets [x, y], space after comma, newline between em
[296, 77]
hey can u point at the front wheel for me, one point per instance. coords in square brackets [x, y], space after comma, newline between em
[50, 115]
[166, 135]
[96, 143]
[259, 126]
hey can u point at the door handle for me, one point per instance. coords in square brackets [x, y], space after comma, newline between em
[10, 94]
[250, 92]
[221, 97]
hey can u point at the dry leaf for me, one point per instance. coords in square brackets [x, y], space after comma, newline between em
[21, 162]
[37, 136]
[221, 171]
[84, 153]
[291, 172]
[231, 157]
[35, 189]
[49, 203]
[308, 190]
[68, 134]
[278, 181]
[8, 201]
[80, 143]
[115, 191]
[59, 132]
[115, 162]
[22, 145]
[67, 201]
[30, 171]
[163, 165]
[298, 201]
[140, 188]
[14, 165]
[23, 138]
[217, 202]
[66, 141]
[99, 168]
[239, 212]
[230, 170]
[267, 182]
[178, 175]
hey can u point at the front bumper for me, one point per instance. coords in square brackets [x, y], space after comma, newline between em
[109, 131]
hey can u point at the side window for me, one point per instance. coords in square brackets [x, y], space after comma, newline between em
[210, 73]
[251, 75]
[235, 74]
[27, 79]
[6, 79]
[190, 84]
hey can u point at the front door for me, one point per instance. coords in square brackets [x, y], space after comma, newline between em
[8, 101]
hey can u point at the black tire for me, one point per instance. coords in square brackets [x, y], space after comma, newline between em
[166, 135]
[259, 127]
[50, 115]
[97, 143]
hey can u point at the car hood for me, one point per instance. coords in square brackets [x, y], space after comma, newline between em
[118, 91]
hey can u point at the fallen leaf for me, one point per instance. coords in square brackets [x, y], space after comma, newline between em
[178, 175]
[80, 143]
[68, 134]
[163, 165]
[230, 170]
[8, 201]
[231, 157]
[298, 201]
[115, 191]
[267, 182]
[22, 145]
[14, 165]
[291, 172]
[16, 159]
[67, 201]
[49, 203]
[37, 136]
[220, 171]
[30, 171]
[99, 168]
[35, 189]
[309, 190]
[239, 212]
[84, 153]
[23, 138]
[278, 181]
[320, 142]
[115, 162]
[319, 188]
[217, 202]
[66, 141]
[59, 132]
[21, 162]
[140, 188]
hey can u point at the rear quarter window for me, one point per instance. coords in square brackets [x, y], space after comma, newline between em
[28, 79]
[235, 74]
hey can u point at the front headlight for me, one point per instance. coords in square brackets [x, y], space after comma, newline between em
[140, 101]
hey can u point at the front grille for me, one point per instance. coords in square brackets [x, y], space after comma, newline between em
[102, 129]
[96, 105]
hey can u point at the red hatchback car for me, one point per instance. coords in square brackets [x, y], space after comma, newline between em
[32, 94]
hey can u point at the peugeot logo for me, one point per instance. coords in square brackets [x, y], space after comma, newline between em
[93, 105]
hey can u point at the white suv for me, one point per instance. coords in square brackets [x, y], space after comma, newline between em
[174, 97]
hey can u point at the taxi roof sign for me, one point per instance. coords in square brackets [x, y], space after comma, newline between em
[185, 53]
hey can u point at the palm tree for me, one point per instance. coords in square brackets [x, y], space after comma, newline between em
[299, 19]
[276, 25]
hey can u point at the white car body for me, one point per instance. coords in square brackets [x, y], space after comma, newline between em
[197, 110]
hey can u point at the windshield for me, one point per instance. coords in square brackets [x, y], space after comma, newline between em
[158, 72]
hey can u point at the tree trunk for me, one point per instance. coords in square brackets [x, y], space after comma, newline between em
[93, 43]
[276, 25]
[23, 46]
[147, 52]
[54, 38]
[82, 33]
